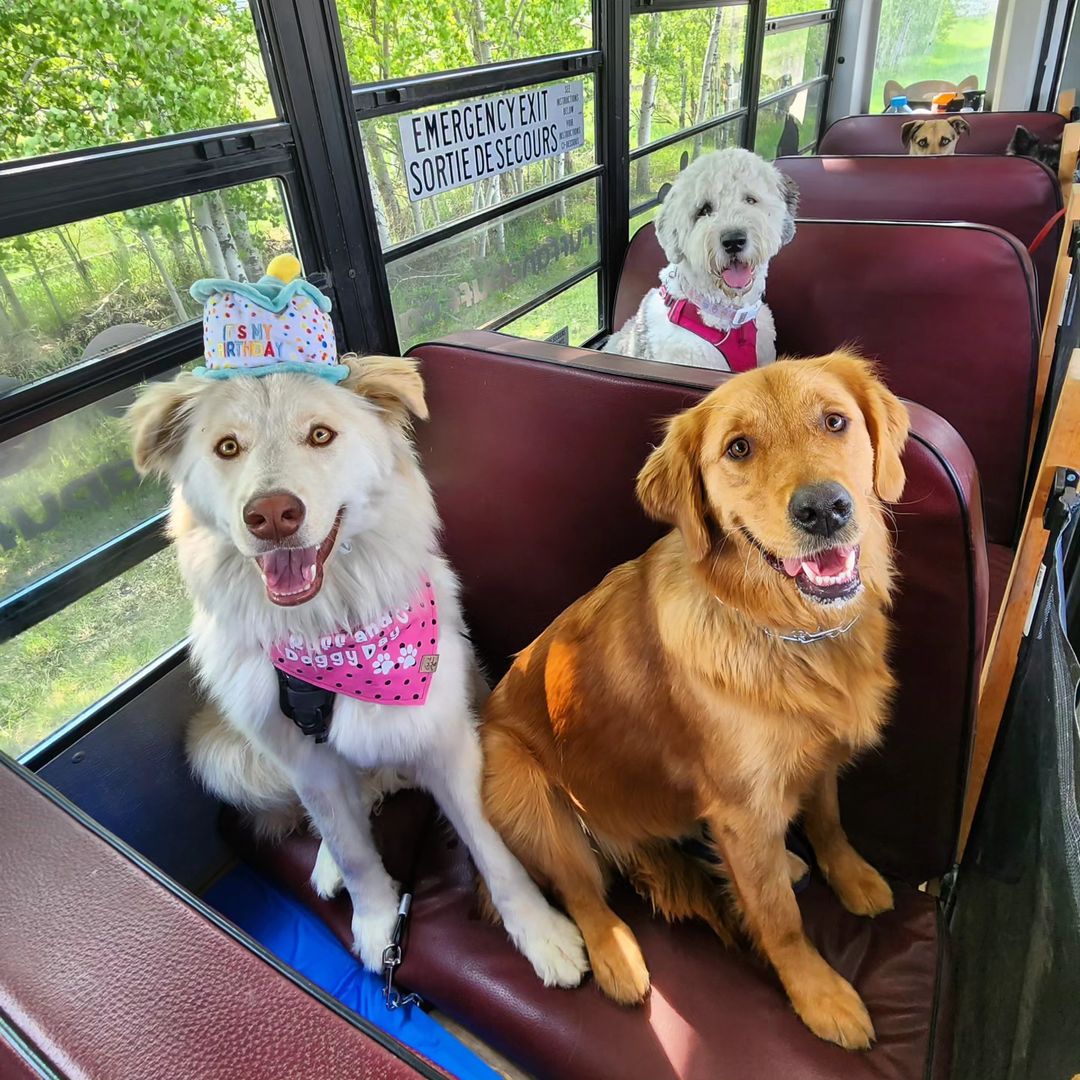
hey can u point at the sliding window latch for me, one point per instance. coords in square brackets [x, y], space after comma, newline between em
[230, 145]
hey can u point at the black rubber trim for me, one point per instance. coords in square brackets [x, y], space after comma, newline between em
[374, 1033]
[23, 1048]
[935, 1005]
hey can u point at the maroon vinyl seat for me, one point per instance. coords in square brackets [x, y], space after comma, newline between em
[990, 132]
[532, 450]
[884, 287]
[1017, 194]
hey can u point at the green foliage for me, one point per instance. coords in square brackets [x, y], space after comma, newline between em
[957, 48]
[86, 72]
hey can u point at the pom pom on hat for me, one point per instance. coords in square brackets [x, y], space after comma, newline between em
[281, 323]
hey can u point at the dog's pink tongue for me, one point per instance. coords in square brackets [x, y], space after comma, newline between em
[737, 276]
[288, 570]
[830, 563]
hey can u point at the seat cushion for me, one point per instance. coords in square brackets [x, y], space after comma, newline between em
[1017, 194]
[713, 1014]
[990, 132]
[999, 560]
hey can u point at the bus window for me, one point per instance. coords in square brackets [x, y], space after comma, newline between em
[73, 292]
[389, 39]
[937, 39]
[125, 71]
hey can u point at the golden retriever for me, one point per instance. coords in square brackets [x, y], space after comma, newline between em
[689, 685]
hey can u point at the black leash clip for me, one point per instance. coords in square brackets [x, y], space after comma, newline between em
[392, 957]
[308, 707]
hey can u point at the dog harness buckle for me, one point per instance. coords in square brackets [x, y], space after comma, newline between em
[309, 707]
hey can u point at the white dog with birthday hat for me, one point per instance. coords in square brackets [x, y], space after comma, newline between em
[328, 629]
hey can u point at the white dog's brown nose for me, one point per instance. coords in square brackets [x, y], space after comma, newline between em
[274, 516]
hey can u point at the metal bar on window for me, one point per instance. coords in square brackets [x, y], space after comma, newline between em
[421, 91]
[491, 213]
[84, 383]
[543, 298]
[612, 20]
[304, 41]
[791, 91]
[797, 22]
[65, 737]
[71, 582]
[831, 60]
[686, 133]
[64, 188]
[755, 48]
[641, 7]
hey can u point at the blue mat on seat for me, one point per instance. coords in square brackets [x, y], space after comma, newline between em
[299, 938]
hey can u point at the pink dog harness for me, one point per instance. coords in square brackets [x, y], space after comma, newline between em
[390, 661]
[739, 343]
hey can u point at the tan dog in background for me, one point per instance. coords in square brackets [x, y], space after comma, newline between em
[925, 138]
[675, 693]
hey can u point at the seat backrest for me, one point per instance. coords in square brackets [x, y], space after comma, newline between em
[888, 288]
[1019, 195]
[561, 434]
[990, 132]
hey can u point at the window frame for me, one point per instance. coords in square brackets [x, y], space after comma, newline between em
[314, 151]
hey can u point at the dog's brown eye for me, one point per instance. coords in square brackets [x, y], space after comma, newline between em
[924, 143]
[750, 200]
[944, 141]
[703, 209]
[835, 422]
[321, 435]
[227, 447]
[739, 448]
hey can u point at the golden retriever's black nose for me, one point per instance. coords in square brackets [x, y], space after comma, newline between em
[820, 509]
[274, 516]
[733, 241]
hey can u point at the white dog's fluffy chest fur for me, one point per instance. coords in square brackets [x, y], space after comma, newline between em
[651, 335]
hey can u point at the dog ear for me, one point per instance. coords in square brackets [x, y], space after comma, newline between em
[158, 420]
[670, 487]
[886, 418]
[391, 382]
[907, 132]
[960, 125]
[667, 232]
[789, 192]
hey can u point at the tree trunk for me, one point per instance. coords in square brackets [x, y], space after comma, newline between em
[707, 72]
[252, 257]
[648, 104]
[155, 258]
[205, 222]
[18, 312]
[7, 328]
[380, 216]
[225, 238]
[194, 232]
[684, 81]
[395, 219]
[478, 29]
[76, 260]
[43, 282]
[120, 249]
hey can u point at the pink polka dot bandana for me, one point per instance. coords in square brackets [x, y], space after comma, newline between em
[389, 661]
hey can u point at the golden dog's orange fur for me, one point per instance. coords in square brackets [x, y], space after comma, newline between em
[657, 701]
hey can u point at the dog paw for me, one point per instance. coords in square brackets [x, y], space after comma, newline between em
[618, 965]
[553, 945]
[862, 890]
[797, 868]
[833, 1010]
[326, 878]
[372, 930]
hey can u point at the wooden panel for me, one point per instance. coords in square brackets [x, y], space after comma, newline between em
[1062, 448]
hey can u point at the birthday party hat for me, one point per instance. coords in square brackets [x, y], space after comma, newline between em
[280, 323]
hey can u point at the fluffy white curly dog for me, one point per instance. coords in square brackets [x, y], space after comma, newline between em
[300, 505]
[722, 221]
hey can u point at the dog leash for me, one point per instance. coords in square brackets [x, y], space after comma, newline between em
[1044, 232]
[392, 956]
[309, 707]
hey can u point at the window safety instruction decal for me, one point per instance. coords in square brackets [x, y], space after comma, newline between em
[448, 148]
